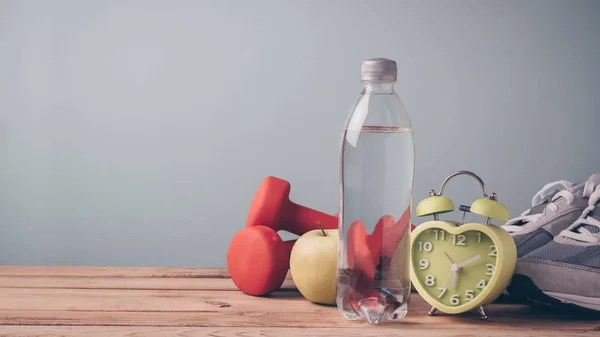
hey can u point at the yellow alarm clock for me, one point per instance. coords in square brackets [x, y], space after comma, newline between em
[461, 267]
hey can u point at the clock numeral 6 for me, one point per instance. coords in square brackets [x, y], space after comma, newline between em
[423, 264]
[459, 240]
[493, 252]
[490, 269]
[426, 246]
[469, 295]
[430, 280]
[454, 300]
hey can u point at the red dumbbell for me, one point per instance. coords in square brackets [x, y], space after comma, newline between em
[362, 266]
[272, 207]
[360, 259]
[364, 250]
[258, 260]
[388, 234]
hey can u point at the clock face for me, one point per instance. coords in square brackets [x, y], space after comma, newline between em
[453, 268]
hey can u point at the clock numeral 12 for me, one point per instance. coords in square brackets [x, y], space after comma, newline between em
[459, 240]
[440, 234]
[478, 237]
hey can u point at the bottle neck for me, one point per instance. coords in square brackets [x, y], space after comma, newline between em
[379, 87]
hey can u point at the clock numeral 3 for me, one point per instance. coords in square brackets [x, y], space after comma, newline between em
[469, 295]
[423, 264]
[454, 300]
[425, 246]
[493, 252]
[490, 269]
[481, 284]
[459, 240]
[430, 280]
[440, 234]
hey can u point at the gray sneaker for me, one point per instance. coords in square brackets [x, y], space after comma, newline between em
[567, 270]
[556, 206]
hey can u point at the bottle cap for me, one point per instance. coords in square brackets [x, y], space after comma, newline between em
[379, 69]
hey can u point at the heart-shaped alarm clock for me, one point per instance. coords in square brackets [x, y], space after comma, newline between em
[461, 267]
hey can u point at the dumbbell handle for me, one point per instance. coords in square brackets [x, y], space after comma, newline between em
[301, 219]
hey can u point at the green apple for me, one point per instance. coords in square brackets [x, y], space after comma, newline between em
[313, 265]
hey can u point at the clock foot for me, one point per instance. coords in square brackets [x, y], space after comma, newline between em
[431, 311]
[482, 313]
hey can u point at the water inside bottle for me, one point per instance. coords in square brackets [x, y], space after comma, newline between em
[376, 181]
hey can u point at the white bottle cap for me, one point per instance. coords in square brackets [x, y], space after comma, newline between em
[379, 70]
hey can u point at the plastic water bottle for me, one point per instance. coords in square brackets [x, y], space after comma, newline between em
[376, 182]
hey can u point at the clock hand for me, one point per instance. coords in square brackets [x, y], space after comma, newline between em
[454, 276]
[471, 260]
[447, 278]
[455, 269]
[457, 266]
[448, 256]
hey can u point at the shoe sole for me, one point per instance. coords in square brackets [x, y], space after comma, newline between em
[523, 288]
[582, 301]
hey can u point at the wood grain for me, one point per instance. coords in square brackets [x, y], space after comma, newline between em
[91, 271]
[149, 283]
[144, 301]
[232, 308]
[54, 331]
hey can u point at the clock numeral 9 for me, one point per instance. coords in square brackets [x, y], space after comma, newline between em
[440, 234]
[430, 280]
[490, 269]
[459, 240]
[427, 246]
[423, 264]
[469, 295]
[454, 300]
[493, 252]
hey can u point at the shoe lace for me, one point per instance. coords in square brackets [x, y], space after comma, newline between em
[515, 225]
[578, 230]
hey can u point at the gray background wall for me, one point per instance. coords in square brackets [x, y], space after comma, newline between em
[136, 132]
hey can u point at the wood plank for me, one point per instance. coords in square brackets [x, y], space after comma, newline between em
[148, 300]
[99, 271]
[403, 331]
[148, 283]
[232, 308]
[134, 301]
[510, 327]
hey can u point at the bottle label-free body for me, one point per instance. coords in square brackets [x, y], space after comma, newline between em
[376, 184]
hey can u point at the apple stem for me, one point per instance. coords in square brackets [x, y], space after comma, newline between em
[319, 224]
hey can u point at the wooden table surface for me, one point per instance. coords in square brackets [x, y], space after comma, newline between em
[123, 301]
